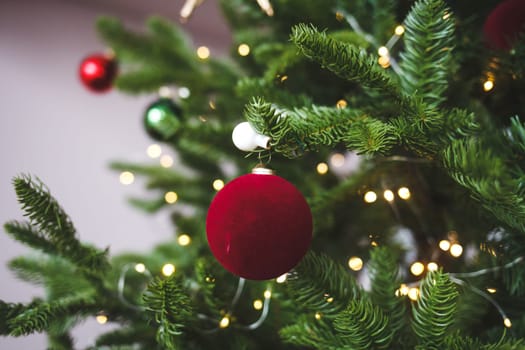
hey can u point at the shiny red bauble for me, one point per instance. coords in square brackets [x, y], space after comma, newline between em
[259, 226]
[504, 24]
[97, 72]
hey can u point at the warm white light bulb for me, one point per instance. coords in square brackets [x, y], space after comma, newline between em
[168, 270]
[127, 178]
[413, 294]
[184, 240]
[170, 197]
[154, 151]
[247, 139]
[218, 184]
[225, 322]
[388, 195]
[403, 193]
[355, 263]
[399, 30]
[417, 268]
[370, 197]
[488, 85]
[203, 52]
[456, 250]
[444, 245]
[166, 161]
[140, 268]
[282, 278]
[102, 319]
[322, 168]
[243, 49]
[382, 51]
[432, 266]
[257, 304]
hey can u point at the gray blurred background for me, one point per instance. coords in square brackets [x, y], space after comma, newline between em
[52, 127]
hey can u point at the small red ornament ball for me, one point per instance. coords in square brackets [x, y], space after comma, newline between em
[97, 72]
[259, 226]
[504, 23]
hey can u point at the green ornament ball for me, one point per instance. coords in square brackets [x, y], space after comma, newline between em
[162, 119]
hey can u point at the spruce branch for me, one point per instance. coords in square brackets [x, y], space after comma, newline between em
[384, 276]
[319, 284]
[344, 60]
[39, 316]
[434, 312]
[171, 309]
[57, 275]
[429, 36]
[296, 131]
[371, 136]
[54, 226]
[364, 326]
[26, 234]
[312, 333]
[473, 165]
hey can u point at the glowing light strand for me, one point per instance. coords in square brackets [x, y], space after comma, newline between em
[482, 272]
[354, 24]
[483, 295]
[122, 284]
[252, 326]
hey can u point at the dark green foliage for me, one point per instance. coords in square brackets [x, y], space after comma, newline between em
[364, 326]
[320, 285]
[384, 275]
[434, 311]
[429, 38]
[171, 308]
[50, 228]
[315, 334]
[346, 61]
[37, 317]
[485, 174]
[295, 131]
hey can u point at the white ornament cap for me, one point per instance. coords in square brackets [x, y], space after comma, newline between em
[261, 170]
[247, 139]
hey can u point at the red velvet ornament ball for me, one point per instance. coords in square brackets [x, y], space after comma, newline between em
[504, 24]
[259, 226]
[97, 72]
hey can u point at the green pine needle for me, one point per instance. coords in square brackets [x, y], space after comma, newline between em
[51, 228]
[319, 284]
[384, 276]
[171, 308]
[38, 317]
[364, 326]
[345, 60]
[434, 312]
[426, 61]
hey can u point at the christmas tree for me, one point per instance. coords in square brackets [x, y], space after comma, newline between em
[400, 124]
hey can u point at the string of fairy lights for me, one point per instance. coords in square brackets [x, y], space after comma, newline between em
[450, 245]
